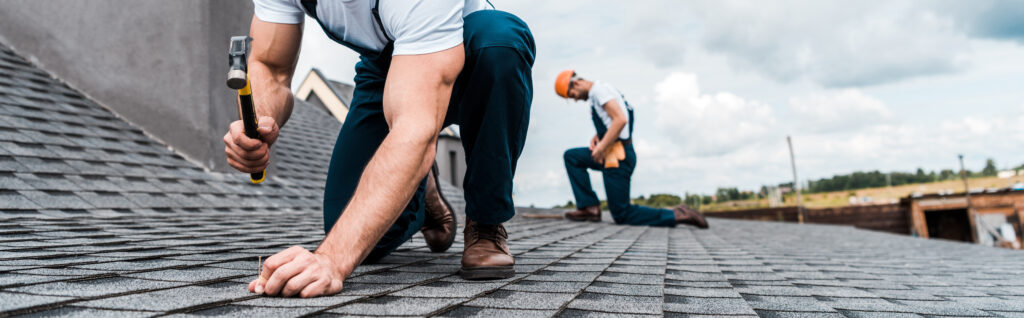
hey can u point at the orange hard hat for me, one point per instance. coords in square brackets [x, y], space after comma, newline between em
[562, 82]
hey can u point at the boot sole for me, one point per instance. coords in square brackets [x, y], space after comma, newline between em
[584, 219]
[491, 272]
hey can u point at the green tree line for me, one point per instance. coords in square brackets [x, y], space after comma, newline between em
[875, 179]
[842, 182]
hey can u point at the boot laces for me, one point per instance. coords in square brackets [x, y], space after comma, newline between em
[495, 233]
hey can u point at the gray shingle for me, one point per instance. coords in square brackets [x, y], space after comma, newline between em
[625, 289]
[249, 311]
[617, 303]
[941, 308]
[547, 286]
[522, 300]
[397, 306]
[13, 301]
[448, 289]
[195, 274]
[397, 277]
[93, 288]
[316, 302]
[171, 299]
[467, 311]
[707, 306]
[73, 311]
[56, 199]
[10, 199]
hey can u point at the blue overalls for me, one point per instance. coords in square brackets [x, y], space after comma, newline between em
[490, 102]
[616, 181]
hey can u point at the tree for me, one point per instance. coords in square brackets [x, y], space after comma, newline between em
[990, 168]
[947, 174]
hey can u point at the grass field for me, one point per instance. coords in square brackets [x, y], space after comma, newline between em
[877, 195]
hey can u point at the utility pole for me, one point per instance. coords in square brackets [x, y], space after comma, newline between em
[963, 175]
[967, 194]
[796, 183]
[888, 183]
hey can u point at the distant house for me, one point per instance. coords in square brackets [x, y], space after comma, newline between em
[451, 157]
[1008, 174]
[331, 96]
[334, 98]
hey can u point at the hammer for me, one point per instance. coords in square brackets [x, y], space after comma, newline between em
[238, 79]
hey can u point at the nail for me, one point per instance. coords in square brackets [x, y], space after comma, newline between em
[259, 289]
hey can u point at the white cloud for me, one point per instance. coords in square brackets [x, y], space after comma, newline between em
[836, 44]
[838, 111]
[707, 124]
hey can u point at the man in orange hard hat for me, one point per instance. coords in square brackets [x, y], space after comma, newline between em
[613, 142]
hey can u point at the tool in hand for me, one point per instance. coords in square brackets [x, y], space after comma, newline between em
[238, 79]
[614, 153]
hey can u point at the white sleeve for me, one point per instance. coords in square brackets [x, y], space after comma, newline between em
[278, 11]
[603, 94]
[422, 26]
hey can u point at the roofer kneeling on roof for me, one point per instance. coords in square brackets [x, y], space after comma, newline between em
[611, 152]
[424, 64]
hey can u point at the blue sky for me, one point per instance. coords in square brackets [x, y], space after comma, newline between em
[718, 85]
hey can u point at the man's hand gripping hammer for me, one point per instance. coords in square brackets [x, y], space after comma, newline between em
[238, 79]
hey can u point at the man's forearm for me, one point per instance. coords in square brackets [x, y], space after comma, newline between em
[387, 185]
[611, 135]
[272, 95]
[416, 95]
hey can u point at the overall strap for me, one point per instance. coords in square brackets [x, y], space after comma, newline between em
[598, 123]
[310, 6]
[629, 109]
[380, 25]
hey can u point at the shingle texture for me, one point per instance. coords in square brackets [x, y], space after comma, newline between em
[97, 219]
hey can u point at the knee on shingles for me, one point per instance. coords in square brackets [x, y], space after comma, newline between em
[619, 213]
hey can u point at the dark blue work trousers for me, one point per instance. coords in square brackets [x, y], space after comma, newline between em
[616, 186]
[490, 103]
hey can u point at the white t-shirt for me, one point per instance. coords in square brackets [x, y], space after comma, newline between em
[417, 26]
[600, 94]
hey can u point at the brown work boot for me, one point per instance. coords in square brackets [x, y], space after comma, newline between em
[686, 215]
[590, 213]
[440, 227]
[486, 255]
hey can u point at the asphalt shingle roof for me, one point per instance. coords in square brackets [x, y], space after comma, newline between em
[157, 264]
[97, 219]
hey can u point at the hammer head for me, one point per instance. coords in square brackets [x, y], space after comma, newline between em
[237, 59]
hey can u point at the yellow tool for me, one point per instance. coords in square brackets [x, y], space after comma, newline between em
[614, 153]
[238, 78]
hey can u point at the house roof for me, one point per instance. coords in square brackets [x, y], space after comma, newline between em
[334, 96]
[98, 219]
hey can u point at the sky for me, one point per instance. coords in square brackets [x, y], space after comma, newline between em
[718, 85]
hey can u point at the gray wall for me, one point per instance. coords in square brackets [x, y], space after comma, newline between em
[159, 64]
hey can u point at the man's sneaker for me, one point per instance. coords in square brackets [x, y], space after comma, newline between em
[486, 255]
[686, 215]
[590, 213]
[440, 226]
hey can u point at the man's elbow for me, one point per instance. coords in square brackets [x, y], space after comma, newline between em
[452, 61]
[418, 135]
[620, 124]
